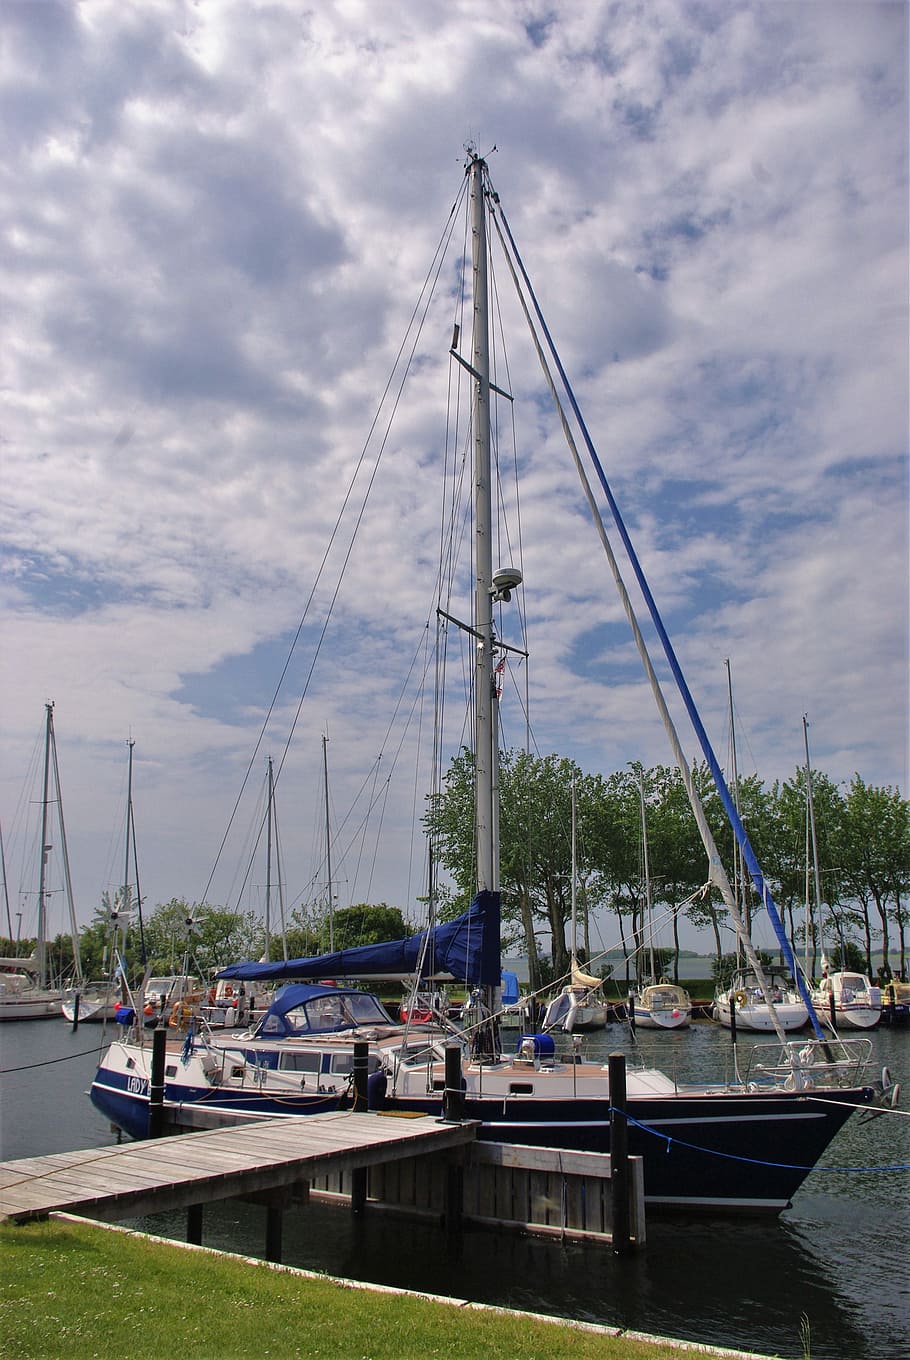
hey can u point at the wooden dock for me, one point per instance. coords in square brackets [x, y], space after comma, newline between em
[413, 1165]
[269, 1156]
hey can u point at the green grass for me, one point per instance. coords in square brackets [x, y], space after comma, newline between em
[77, 1291]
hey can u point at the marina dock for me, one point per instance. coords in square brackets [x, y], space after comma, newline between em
[268, 1156]
[415, 1165]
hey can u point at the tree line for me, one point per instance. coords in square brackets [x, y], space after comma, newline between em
[201, 938]
[863, 854]
[862, 840]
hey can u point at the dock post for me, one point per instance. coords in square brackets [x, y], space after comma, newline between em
[358, 1189]
[619, 1153]
[194, 1225]
[274, 1222]
[832, 1007]
[632, 1012]
[156, 1084]
[75, 1012]
[361, 1073]
[361, 1104]
[453, 1096]
[454, 1210]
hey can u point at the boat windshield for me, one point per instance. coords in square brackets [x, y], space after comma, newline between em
[325, 1014]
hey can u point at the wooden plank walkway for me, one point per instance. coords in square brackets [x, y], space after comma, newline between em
[132, 1179]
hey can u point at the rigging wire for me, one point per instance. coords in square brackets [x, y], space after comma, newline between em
[755, 871]
[413, 331]
[717, 870]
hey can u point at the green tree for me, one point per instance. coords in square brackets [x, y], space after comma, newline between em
[876, 849]
[207, 937]
[365, 924]
[615, 847]
[677, 856]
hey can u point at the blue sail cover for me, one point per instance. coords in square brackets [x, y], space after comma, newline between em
[467, 948]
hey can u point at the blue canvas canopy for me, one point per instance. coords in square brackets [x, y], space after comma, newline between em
[313, 1009]
[466, 948]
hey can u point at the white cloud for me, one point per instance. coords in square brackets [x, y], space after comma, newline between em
[217, 219]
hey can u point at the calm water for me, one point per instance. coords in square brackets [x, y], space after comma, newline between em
[839, 1257]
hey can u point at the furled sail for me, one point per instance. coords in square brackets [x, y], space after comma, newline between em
[580, 979]
[466, 948]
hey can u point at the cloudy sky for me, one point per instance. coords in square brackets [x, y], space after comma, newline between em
[217, 216]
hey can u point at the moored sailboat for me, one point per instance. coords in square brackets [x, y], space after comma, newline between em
[753, 998]
[742, 1145]
[581, 1005]
[761, 1008]
[27, 992]
[656, 1004]
[843, 997]
[99, 999]
[849, 998]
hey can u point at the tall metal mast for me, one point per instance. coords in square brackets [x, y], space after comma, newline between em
[814, 922]
[740, 887]
[646, 870]
[268, 865]
[485, 718]
[328, 842]
[129, 824]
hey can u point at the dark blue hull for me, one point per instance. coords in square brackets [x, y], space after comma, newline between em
[709, 1152]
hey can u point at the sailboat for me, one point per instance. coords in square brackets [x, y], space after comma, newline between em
[846, 997]
[97, 1000]
[740, 1145]
[26, 989]
[756, 998]
[659, 1004]
[230, 1005]
[581, 1005]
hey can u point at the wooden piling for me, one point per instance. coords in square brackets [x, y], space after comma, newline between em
[156, 1083]
[361, 1073]
[619, 1153]
[454, 1210]
[453, 1095]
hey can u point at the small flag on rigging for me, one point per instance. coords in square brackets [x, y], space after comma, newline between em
[498, 672]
